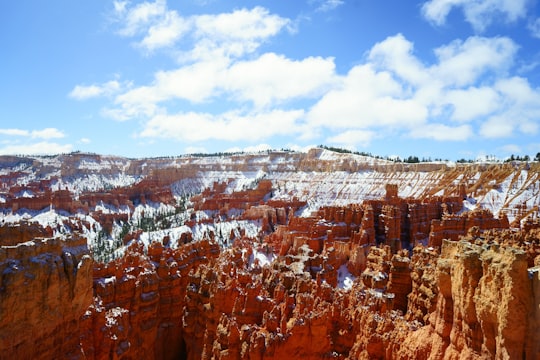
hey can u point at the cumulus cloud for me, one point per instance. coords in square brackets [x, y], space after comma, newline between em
[48, 133]
[391, 91]
[464, 62]
[479, 13]
[136, 19]
[518, 111]
[226, 34]
[467, 89]
[496, 126]
[84, 92]
[472, 102]
[366, 99]
[263, 81]
[166, 32]
[468, 82]
[274, 78]
[397, 54]
[232, 35]
[246, 24]
[153, 23]
[230, 126]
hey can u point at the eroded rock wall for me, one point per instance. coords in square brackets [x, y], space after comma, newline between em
[139, 301]
[45, 288]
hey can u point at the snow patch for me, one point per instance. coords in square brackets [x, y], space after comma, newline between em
[263, 258]
[345, 278]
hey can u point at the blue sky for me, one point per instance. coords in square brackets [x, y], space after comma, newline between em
[443, 79]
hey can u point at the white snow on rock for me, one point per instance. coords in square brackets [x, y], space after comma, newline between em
[263, 258]
[345, 278]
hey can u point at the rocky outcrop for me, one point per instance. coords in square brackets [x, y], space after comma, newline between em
[459, 303]
[45, 288]
[453, 226]
[139, 302]
[424, 278]
[24, 231]
[483, 308]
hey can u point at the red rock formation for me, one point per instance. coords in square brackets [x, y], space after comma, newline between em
[481, 289]
[400, 281]
[476, 299]
[45, 288]
[11, 235]
[453, 226]
[423, 295]
[139, 301]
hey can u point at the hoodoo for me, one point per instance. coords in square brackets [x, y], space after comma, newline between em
[270, 256]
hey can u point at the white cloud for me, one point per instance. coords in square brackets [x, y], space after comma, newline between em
[230, 126]
[85, 141]
[84, 92]
[479, 13]
[462, 62]
[396, 54]
[40, 148]
[246, 24]
[48, 133]
[497, 127]
[166, 32]
[327, 5]
[436, 11]
[14, 132]
[195, 83]
[247, 96]
[137, 19]
[442, 132]
[234, 34]
[119, 7]
[263, 81]
[272, 77]
[395, 91]
[473, 102]
[367, 99]
[459, 64]
[519, 110]
[226, 34]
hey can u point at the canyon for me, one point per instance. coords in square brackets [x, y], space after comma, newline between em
[270, 255]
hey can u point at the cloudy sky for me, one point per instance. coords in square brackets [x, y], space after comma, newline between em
[443, 79]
